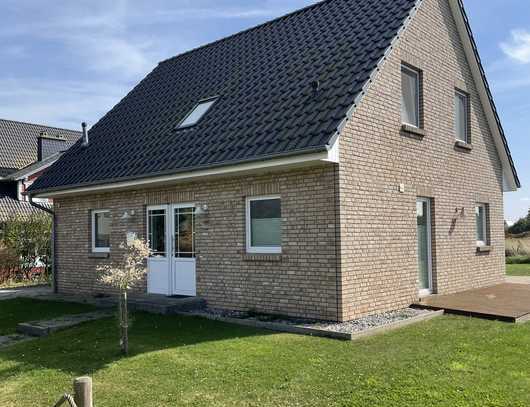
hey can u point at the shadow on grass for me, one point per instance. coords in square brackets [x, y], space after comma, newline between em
[94, 345]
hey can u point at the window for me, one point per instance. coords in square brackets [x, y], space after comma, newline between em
[410, 96]
[462, 117]
[264, 231]
[197, 113]
[101, 231]
[481, 215]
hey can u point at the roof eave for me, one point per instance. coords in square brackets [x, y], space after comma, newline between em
[264, 164]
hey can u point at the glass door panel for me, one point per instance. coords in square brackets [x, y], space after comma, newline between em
[184, 235]
[423, 216]
[157, 232]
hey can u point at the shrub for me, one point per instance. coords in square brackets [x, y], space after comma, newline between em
[518, 260]
[517, 246]
[27, 242]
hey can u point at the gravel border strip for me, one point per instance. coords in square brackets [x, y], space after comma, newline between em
[305, 330]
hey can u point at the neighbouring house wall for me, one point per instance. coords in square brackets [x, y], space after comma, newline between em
[300, 282]
[378, 235]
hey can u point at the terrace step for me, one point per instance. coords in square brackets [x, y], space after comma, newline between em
[46, 327]
[158, 304]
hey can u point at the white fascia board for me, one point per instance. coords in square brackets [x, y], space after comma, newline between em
[22, 174]
[509, 182]
[239, 169]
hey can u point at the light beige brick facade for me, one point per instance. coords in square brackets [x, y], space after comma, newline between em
[349, 235]
[302, 281]
[378, 223]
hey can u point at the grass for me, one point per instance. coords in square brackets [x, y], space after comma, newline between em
[449, 361]
[518, 269]
[17, 310]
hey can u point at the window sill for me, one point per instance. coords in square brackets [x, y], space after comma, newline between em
[484, 249]
[416, 131]
[98, 255]
[462, 145]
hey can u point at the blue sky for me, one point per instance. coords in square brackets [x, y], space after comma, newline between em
[68, 61]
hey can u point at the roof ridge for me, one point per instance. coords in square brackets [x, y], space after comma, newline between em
[246, 30]
[40, 125]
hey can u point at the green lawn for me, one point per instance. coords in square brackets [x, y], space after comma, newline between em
[449, 361]
[518, 269]
[19, 310]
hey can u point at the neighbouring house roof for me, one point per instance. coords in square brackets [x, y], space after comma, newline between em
[18, 143]
[10, 207]
[283, 88]
[34, 167]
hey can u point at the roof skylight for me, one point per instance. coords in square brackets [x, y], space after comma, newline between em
[197, 113]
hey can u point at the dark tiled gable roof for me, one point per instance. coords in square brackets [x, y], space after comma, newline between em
[18, 142]
[266, 105]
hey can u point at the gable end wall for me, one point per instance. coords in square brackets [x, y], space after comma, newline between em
[378, 223]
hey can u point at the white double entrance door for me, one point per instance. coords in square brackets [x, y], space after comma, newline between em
[171, 236]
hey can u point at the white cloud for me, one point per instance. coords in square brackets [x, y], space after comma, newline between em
[57, 103]
[518, 48]
[525, 199]
[212, 13]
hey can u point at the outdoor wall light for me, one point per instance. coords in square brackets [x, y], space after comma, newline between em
[128, 215]
[201, 210]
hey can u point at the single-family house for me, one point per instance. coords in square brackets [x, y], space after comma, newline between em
[343, 160]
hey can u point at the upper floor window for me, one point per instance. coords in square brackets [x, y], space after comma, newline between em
[410, 96]
[481, 216]
[462, 116]
[196, 113]
[264, 218]
[101, 231]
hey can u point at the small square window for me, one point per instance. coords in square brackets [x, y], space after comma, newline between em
[196, 113]
[481, 217]
[264, 229]
[101, 231]
[410, 96]
[462, 116]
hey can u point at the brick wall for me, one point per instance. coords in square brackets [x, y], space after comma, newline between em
[379, 267]
[300, 282]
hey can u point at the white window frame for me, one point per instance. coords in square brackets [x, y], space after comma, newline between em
[259, 249]
[93, 225]
[416, 73]
[482, 243]
[459, 93]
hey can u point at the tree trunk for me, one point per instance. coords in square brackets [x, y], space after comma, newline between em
[124, 323]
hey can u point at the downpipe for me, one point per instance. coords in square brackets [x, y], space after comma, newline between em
[52, 213]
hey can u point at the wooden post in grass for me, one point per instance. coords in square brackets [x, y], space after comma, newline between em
[83, 391]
